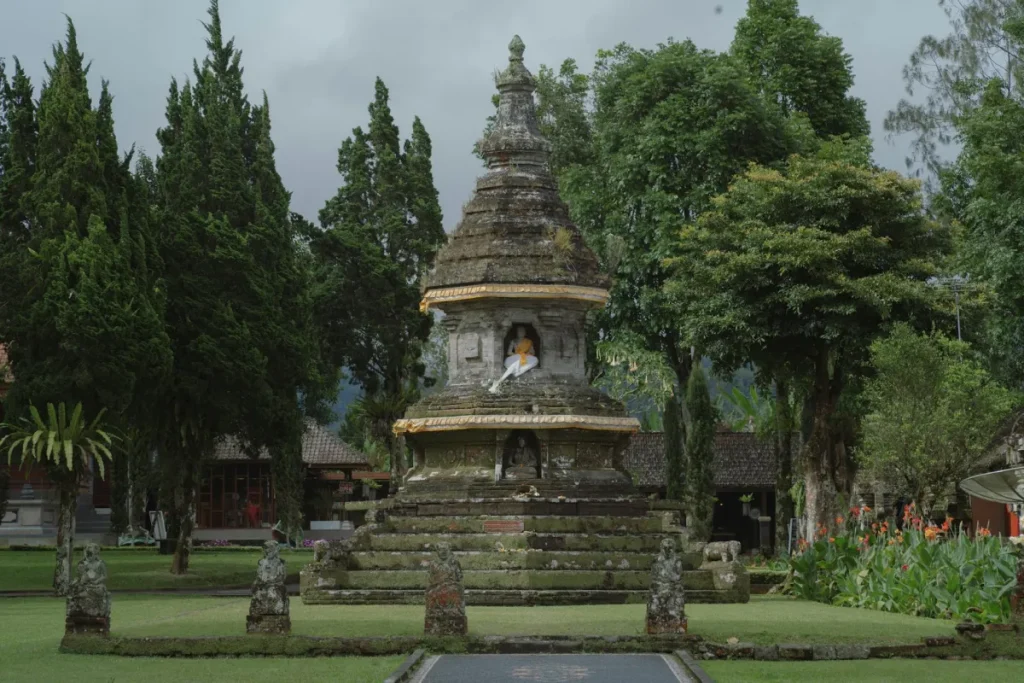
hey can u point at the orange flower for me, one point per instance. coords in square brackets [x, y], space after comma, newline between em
[885, 527]
[839, 520]
[832, 539]
[931, 533]
[865, 509]
[892, 541]
[874, 526]
[945, 525]
[983, 531]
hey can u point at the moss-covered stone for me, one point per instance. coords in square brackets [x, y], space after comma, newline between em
[460, 524]
[310, 646]
[510, 559]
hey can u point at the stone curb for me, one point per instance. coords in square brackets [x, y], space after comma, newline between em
[693, 668]
[312, 646]
[405, 670]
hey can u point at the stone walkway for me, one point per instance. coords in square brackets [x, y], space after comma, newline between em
[626, 668]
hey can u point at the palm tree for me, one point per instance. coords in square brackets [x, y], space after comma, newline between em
[65, 446]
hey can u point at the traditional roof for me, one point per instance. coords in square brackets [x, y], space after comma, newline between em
[320, 447]
[741, 460]
[516, 229]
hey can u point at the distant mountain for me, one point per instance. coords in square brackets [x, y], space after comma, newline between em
[347, 394]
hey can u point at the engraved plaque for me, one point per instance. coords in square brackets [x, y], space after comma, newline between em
[469, 346]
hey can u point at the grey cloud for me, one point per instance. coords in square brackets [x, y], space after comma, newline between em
[317, 60]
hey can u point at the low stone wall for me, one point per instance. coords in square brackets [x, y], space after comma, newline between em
[1000, 644]
[310, 646]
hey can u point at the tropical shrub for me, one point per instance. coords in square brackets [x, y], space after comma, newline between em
[927, 570]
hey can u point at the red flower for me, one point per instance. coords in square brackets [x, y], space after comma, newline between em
[905, 567]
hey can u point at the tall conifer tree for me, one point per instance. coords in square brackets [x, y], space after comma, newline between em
[382, 231]
[239, 309]
[79, 324]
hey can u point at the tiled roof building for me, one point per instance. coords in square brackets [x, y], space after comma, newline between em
[741, 460]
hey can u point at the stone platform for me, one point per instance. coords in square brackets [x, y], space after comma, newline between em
[516, 559]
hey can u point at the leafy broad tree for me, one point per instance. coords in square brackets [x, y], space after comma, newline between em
[381, 232]
[981, 192]
[932, 412]
[799, 67]
[803, 268]
[947, 75]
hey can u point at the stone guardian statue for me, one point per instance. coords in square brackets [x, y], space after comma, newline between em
[88, 604]
[446, 596]
[666, 608]
[268, 608]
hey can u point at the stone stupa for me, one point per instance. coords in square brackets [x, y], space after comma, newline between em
[515, 282]
[517, 460]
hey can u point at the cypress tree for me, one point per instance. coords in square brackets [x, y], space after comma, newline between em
[700, 456]
[382, 231]
[675, 464]
[79, 324]
[239, 307]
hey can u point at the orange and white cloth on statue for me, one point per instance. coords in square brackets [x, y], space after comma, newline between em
[522, 358]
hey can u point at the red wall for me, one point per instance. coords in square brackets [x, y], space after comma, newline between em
[986, 513]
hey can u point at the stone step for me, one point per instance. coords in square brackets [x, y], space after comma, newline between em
[533, 559]
[637, 543]
[548, 503]
[535, 579]
[499, 597]
[537, 524]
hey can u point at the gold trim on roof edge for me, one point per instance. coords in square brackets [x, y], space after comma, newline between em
[432, 297]
[458, 422]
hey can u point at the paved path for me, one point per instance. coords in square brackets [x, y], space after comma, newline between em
[645, 668]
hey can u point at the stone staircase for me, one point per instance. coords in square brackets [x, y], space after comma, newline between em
[535, 551]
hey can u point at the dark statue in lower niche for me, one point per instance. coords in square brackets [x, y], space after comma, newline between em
[521, 457]
[268, 608]
[666, 608]
[446, 596]
[88, 604]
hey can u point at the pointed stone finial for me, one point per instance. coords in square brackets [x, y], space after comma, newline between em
[516, 48]
[515, 139]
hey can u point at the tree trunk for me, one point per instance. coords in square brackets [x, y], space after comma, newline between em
[185, 502]
[785, 508]
[65, 538]
[820, 467]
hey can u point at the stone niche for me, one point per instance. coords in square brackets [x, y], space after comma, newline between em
[479, 337]
[446, 461]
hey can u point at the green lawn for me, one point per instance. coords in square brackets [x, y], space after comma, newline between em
[875, 670]
[32, 570]
[32, 628]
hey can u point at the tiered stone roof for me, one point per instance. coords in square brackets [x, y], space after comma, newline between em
[516, 229]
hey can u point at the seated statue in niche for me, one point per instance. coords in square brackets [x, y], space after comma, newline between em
[522, 462]
[521, 358]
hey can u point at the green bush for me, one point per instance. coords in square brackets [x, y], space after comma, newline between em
[925, 570]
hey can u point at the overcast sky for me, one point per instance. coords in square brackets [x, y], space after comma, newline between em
[317, 60]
